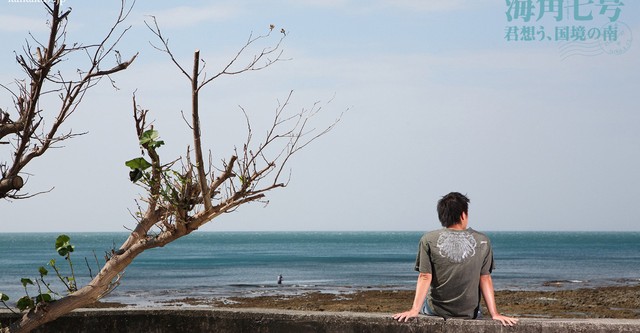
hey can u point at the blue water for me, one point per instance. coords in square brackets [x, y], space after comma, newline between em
[210, 264]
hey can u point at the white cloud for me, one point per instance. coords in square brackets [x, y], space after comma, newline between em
[14, 23]
[185, 16]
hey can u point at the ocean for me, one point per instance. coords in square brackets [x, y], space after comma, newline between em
[225, 264]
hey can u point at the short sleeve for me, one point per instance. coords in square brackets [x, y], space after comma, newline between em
[423, 259]
[488, 263]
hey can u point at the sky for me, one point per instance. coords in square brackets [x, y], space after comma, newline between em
[439, 96]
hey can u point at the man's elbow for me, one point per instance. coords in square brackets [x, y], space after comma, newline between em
[486, 280]
[424, 276]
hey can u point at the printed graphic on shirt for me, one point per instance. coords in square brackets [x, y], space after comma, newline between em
[456, 246]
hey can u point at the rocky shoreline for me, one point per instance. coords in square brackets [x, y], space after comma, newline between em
[605, 302]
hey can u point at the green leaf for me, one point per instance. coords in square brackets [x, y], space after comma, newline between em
[24, 303]
[46, 298]
[43, 271]
[135, 175]
[63, 246]
[62, 240]
[157, 144]
[25, 282]
[138, 163]
[149, 138]
[4, 297]
[52, 262]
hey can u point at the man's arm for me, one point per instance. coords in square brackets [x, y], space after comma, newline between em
[486, 285]
[422, 286]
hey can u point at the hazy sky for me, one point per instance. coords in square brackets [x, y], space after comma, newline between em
[541, 135]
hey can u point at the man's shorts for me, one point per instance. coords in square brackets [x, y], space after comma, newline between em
[426, 310]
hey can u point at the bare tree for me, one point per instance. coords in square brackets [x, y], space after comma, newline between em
[29, 131]
[182, 194]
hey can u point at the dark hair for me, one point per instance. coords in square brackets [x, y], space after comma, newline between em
[451, 207]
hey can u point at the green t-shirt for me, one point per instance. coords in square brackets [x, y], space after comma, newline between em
[455, 259]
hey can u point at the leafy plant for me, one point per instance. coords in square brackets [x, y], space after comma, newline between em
[3, 299]
[25, 302]
[64, 248]
[148, 138]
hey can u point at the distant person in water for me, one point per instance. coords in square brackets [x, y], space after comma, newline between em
[280, 279]
[455, 265]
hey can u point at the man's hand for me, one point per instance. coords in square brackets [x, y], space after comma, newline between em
[506, 321]
[486, 285]
[405, 316]
[422, 286]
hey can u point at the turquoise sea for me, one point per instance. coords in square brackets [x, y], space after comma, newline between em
[222, 264]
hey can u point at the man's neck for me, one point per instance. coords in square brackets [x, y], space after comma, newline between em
[457, 226]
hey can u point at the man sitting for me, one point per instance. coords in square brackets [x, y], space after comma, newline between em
[455, 265]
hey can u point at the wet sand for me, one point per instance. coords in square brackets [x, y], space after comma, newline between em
[605, 302]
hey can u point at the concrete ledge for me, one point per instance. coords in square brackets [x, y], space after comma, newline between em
[193, 320]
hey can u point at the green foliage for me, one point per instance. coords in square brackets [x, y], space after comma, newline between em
[25, 282]
[63, 246]
[46, 298]
[138, 163]
[25, 302]
[135, 175]
[149, 138]
[3, 299]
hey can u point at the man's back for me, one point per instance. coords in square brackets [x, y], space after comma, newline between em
[456, 259]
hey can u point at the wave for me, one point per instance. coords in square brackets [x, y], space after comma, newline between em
[561, 283]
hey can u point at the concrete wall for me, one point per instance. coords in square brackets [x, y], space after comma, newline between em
[194, 320]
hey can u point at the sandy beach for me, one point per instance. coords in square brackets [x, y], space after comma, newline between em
[605, 302]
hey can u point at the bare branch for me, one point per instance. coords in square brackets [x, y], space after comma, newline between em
[155, 29]
[252, 65]
[31, 130]
[195, 122]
